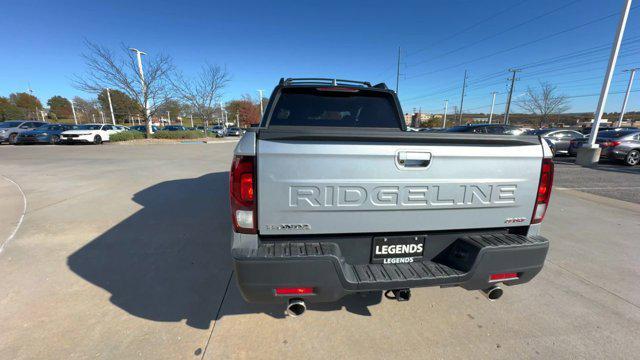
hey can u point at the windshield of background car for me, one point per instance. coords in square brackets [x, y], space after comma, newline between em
[9, 124]
[350, 108]
[614, 134]
[89, 127]
[536, 132]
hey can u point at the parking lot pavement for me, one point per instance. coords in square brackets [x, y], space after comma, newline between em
[608, 178]
[124, 253]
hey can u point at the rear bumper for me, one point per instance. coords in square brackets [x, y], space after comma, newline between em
[468, 262]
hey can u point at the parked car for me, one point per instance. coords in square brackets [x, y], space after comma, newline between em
[494, 129]
[45, 134]
[174, 128]
[558, 139]
[587, 130]
[621, 145]
[219, 130]
[88, 133]
[234, 131]
[143, 128]
[350, 202]
[9, 130]
[121, 128]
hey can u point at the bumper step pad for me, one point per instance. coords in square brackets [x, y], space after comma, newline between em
[453, 266]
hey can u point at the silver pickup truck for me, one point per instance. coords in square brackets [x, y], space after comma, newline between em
[331, 196]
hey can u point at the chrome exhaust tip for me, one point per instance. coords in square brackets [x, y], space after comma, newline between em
[493, 293]
[296, 307]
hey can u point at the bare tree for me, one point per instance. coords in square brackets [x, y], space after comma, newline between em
[202, 92]
[543, 102]
[107, 69]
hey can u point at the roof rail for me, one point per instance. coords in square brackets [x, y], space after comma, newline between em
[322, 81]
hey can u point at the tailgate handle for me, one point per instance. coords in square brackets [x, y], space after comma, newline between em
[413, 159]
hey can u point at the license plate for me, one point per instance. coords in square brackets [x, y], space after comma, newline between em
[397, 249]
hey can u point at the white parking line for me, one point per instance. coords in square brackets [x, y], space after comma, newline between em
[24, 211]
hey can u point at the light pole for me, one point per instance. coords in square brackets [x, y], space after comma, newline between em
[113, 118]
[73, 110]
[493, 102]
[589, 154]
[102, 116]
[444, 118]
[626, 96]
[169, 117]
[261, 108]
[144, 88]
[221, 114]
[191, 116]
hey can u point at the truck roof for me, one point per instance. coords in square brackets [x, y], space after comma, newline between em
[329, 82]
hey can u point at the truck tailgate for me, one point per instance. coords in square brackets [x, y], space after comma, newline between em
[332, 186]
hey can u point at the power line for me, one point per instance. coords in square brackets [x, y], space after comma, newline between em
[472, 26]
[511, 28]
[546, 37]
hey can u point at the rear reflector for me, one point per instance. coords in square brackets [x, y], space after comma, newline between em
[503, 277]
[544, 191]
[294, 291]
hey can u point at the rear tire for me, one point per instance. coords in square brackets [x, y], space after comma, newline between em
[632, 158]
[97, 140]
[54, 139]
[12, 138]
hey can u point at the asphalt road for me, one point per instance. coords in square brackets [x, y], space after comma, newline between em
[608, 178]
[124, 253]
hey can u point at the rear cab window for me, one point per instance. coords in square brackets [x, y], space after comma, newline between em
[336, 107]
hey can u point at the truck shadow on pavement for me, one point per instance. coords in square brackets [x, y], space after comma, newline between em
[171, 259]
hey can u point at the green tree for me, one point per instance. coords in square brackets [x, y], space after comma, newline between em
[60, 107]
[174, 107]
[8, 111]
[123, 105]
[85, 109]
[28, 103]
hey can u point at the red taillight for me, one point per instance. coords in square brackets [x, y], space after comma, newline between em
[503, 277]
[246, 187]
[610, 143]
[242, 189]
[294, 291]
[544, 191]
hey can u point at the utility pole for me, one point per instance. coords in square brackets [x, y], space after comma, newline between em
[444, 117]
[144, 89]
[191, 116]
[464, 87]
[589, 154]
[632, 73]
[508, 106]
[398, 72]
[113, 118]
[73, 110]
[261, 108]
[493, 102]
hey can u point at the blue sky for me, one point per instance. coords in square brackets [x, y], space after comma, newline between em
[259, 42]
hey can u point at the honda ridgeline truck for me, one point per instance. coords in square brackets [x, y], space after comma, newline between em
[331, 196]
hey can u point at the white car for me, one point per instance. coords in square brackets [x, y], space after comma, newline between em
[88, 133]
[9, 130]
